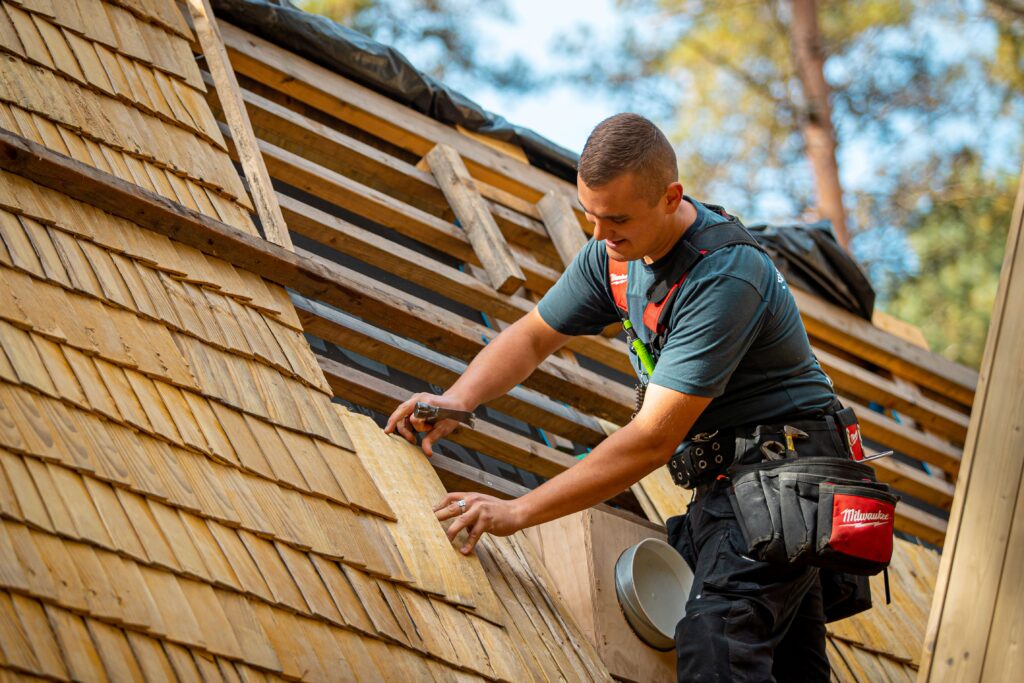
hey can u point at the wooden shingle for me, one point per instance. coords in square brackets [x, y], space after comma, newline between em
[83, 660]
[67, 587]
[114, 651]
[56, 508]
[15, 646]
[156, 546]
[12, 573]
[241, 561]
[99, 593]
[176, 612]
[33, 510]
[274, 571]
[150, 656]
[253, 642]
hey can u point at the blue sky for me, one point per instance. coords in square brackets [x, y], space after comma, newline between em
[563, 114]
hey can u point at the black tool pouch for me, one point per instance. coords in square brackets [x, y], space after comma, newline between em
[820, 511]
[703, 458]
[843, 595]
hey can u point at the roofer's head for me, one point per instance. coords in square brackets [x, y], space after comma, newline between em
[629, 143]
[629, 187]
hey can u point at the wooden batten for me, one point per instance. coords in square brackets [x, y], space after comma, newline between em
[475, 217]
[507, 148]
[562, 227]
[264, 198]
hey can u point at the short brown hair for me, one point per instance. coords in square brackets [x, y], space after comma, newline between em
[629, 143]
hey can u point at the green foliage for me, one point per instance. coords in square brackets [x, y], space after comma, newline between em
[960, 239]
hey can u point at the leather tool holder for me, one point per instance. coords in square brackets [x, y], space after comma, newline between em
[703, 458]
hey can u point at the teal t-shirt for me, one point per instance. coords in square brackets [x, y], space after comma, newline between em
[733, 332]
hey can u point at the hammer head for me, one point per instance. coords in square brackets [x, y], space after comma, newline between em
[793, 432]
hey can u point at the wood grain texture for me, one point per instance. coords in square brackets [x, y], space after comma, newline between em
[475, 218]
[308, 274]
[970, 631]
[561, 225]
[230, 98]
[411, 487]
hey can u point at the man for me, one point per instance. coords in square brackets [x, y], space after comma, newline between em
[733, 353]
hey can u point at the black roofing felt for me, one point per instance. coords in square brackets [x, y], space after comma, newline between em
[385, 70]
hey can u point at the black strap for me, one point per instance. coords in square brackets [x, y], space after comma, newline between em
[680, 267]
[696, 247]
[724, 235]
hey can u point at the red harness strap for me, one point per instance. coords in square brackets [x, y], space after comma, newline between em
[618, 279]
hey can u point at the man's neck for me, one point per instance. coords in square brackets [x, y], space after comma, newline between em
[677, 225]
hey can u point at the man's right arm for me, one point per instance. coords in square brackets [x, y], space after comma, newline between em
[505, 362]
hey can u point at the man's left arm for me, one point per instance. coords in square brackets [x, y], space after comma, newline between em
[618, 462]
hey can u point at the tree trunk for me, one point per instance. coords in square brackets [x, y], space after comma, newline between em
[819, 134]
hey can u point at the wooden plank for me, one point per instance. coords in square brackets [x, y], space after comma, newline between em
[916, 482]
[562, 226]
[458, 476]
[245, 140]
[475, 218]
[969, 631]
[856, 335]
[321, 144]
[391, 212]
[326, 90]
[907, 440]
[438, 369]
[304, 273]
[452, 283]
[869, 386]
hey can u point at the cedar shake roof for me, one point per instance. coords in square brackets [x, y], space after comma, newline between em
[179, 496]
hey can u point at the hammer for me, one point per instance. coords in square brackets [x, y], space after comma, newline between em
[792, 433]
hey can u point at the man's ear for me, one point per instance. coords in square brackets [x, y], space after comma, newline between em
[673, 196]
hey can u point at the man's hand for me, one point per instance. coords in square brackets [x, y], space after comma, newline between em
[478, 513]
[404, 423]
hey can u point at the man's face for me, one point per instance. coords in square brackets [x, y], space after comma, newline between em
[624, 217]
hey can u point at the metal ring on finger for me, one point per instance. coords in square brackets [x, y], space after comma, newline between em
[462, 506]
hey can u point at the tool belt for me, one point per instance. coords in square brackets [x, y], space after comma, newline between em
[819, 511]
[798, 494]
[707, 455]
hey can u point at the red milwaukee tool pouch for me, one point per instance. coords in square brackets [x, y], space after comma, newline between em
[855, 527]
[821, 511]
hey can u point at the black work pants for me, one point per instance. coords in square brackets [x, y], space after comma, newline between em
[745, 620]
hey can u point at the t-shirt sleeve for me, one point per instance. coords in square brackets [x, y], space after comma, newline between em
[580, 302]
[716, 319]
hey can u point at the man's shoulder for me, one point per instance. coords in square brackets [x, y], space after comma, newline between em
[592, 260]
[740, 261]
